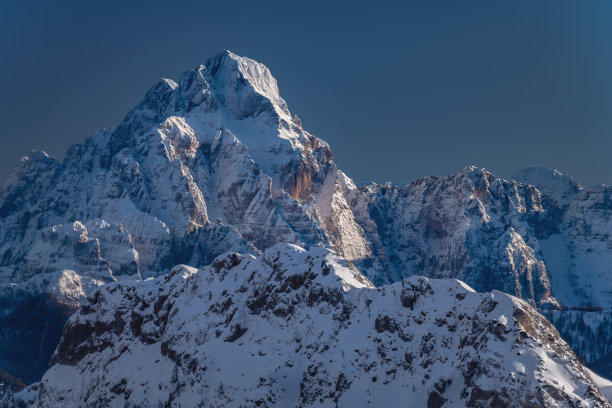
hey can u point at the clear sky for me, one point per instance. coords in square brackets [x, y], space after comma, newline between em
[399, 89]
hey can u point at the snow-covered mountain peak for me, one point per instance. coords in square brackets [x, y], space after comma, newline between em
[470, 169]
[30, 170]
[36, 159]
[476, 173]
[557, 185]
[228, 91]
[229, 72]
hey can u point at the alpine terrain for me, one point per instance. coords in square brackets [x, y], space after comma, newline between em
[216, 163]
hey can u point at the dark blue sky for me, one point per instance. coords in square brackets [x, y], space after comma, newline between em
[400, 90]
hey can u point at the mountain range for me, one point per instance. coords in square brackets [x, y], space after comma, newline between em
[216, 163]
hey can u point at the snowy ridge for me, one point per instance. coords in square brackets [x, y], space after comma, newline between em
[305, 328]
[551, 182]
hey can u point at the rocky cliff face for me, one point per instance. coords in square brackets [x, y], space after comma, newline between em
[472, 225]
[215, 162]
[305, 328]
[545, 239]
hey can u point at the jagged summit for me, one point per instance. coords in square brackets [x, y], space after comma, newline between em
[559, 186]
[208, 163]
[244, 87]
[228, 70]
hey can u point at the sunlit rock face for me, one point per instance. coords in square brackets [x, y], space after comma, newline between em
[216, 162]
[549, 242]
[209, 163]
[471, 225]
[305, 328]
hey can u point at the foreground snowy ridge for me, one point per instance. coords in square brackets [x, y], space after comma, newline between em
[305, 328]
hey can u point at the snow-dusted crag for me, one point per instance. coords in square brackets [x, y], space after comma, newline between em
[211, 163]
[543, 238]
[471, 225]
[305, 328]
[216, 162]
